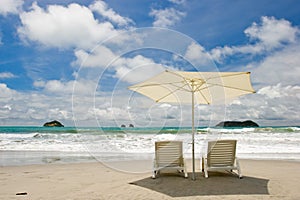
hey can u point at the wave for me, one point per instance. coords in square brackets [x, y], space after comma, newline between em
[262, 141]
[20, 130]
[39, 131]
[278, 129]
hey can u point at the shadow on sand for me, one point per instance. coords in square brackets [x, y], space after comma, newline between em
[216, 184]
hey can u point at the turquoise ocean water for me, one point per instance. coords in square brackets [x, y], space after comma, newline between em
[36, 145]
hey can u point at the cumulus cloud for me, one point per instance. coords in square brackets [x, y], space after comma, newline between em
[196, 54]
[110, 113]
[34, 109]
[6, 92]
[53, 102]
[273, 104]
[71, 26]
[280, 91]
[6, 75]
[102, 8]
[280, 67]
[99, 57]
[178, 1]
[126, 69]
[272, 32]
[166, 17]
[82, 87]
[275, 75]
[10, 6]
[266, 36]
[136, 69]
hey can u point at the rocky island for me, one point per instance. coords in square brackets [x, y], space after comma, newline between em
[247, 123]
[53, 124]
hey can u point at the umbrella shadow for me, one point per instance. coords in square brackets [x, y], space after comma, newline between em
[216, 184]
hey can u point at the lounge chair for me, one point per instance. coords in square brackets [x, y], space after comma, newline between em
[168, 156]
[221, 155]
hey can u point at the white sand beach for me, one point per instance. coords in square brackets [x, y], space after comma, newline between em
[263, 179]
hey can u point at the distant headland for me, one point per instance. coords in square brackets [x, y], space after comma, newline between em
[247, 123]
[53, 124]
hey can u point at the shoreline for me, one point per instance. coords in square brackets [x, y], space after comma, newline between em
[24, 158]
[263, 179]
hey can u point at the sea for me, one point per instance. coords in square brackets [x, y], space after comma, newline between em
[45, 145]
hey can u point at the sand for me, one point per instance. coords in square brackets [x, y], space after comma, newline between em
[91, 181]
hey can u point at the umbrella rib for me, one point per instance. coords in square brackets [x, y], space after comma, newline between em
[199, 91]
[178, 88]
[183, 78]
[153, 84]
[225, 86]
[228, 75]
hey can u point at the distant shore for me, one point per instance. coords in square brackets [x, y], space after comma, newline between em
[263, 179]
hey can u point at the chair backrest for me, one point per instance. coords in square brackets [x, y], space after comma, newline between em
[221, 153]
[168, 153]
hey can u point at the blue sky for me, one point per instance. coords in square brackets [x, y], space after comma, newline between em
[73, 60]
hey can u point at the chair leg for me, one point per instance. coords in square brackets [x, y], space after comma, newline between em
[155, 170]
[154, 173]
[184, 169]
[205, 173]
[205, 168]
[185, 172]
[239, 169]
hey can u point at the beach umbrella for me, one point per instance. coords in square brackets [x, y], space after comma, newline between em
[183, 87]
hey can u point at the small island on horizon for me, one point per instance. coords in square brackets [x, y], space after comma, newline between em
[54, 123]
[247, 123]
[130, 126]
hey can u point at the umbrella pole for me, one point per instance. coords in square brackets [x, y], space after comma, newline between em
[193, 133]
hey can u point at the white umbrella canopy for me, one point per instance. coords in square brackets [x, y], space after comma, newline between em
[195, 88]
[209, 87]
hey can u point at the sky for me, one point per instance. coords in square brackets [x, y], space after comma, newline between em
[73, 61]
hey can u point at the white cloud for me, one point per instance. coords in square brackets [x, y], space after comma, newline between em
[136, 69]
[102, 8]
[6, 75]
[196, 54]
[269, 92]
[267, 36]
[100, 57]
[35, 109]
[126, 69]
[280, 67]
[110, 113]
[279, 91]
[167, 17]
[71, 26]
[179, 2]
[30, 108]
[82, 87]
[276, 79]
[277, 102]
[275, 76]
[10, 6]
[6, 92]
[272, 32]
